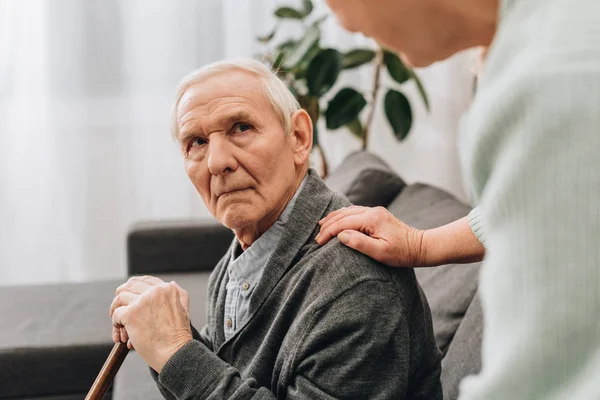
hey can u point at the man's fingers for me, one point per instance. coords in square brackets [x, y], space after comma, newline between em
[134, 286]
[123, 334]
[183, 297]
[139, 284]
[119, 316]
[122, 299]
[179, 289]
[362, 243]
[356, 222]
[119, 334]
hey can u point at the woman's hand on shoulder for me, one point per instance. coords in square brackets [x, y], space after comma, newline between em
[376, 233]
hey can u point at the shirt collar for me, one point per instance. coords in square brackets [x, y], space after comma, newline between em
[248, 265]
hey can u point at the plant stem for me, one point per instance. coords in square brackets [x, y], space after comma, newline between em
[375, 90]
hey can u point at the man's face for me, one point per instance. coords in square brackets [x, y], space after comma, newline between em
[236, 153]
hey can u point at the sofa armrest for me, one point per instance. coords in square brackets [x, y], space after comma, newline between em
[176, 246]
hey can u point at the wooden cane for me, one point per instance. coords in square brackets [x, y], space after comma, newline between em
[108, 372]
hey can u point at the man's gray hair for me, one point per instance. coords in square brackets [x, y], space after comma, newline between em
[283, 101]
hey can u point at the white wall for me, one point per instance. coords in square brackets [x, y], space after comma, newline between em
[429, 154]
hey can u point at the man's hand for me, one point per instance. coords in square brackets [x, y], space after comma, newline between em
[152, 316]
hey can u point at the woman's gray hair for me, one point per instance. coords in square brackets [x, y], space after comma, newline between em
[283, 101]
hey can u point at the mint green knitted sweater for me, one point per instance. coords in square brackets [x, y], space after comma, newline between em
[531, 151]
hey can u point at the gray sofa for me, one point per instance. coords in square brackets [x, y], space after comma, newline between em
[54, 338]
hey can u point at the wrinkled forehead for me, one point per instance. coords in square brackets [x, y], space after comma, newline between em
[224, 90]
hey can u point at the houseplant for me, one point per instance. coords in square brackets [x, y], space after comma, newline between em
[310, 71]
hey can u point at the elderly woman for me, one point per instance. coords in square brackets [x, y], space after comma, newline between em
[530, 151]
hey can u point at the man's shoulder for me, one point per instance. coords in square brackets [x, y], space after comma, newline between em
[336, 269]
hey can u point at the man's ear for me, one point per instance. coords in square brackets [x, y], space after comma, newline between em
[301, 136]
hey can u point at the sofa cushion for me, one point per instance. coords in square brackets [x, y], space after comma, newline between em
[53, 338]
[133, 382]
[449, 288]
[366, 180]
[464, 354]
[176, 246]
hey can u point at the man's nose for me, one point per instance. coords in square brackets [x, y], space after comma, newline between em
[221, 160]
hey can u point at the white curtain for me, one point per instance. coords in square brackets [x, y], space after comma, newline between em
[85, 91]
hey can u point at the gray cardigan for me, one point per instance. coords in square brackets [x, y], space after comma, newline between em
[324, 322]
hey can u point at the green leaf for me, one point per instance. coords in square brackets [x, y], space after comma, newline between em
[319, 20]
[267, 38]
[297, 53]
[421, 90]
[398, 113]
[287, 45]
[395, 67]
[289, 12]
[322, 71]
[343, 108]
[307, 5]
[300, 68]
[356, 128]
[357, 57]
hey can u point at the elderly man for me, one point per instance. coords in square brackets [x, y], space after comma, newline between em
[286, 317]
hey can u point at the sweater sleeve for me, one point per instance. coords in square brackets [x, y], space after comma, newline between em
[384, 351]
[539, 146]
[476, 225]
[343, 353]
[202, 336]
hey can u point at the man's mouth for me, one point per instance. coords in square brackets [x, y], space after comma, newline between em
[230, 191]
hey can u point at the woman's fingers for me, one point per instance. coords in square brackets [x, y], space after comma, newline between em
[345, 214]
[356, 222]
[336, 213]
[363, 243]
[376, 233]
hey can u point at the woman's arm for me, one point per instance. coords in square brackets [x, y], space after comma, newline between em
[452, 243]
[378, 234]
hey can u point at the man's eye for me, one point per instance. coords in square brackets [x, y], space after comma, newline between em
[241, 127]
[197, 142]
